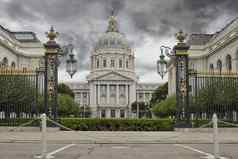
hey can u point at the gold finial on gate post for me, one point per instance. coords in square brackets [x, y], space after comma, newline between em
[181, 36]
[51, 34]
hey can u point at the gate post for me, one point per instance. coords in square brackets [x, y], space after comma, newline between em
[51, 62]
[182, 78]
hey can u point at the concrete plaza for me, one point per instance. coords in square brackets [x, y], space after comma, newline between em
[118, 145]
[116, 151]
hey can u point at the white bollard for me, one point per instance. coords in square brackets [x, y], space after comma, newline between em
[43, 136]
[215, 136]
[234, 115]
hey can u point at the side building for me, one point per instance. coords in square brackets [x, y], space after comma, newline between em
[112, 84]
[20, 50]
[216, 53]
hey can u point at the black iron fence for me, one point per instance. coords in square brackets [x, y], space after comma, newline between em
[21, 95]
[213, 93]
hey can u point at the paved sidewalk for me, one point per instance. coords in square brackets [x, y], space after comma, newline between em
[118, 137]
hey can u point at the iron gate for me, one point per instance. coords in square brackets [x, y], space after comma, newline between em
[213, 93]
[21, 95]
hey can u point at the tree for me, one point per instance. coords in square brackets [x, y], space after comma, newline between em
[159, 94]
[166, 107]
[64, 89]
[67, 106]
[216, 92]
[17, 92]
[17, 89]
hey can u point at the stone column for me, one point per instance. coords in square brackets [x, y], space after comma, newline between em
[117, 94]
[81, 98]
[144, 100]
[99, 94]
[108, 94]
[108, 113]
[234, 113]
[126, 93]
[132, 96]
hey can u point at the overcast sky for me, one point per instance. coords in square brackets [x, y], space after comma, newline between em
[147, 24]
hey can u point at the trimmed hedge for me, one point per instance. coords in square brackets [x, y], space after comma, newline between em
[95, 124]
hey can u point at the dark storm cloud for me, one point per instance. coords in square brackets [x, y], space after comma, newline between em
[82, 21]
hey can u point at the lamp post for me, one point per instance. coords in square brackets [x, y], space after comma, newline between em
[180, 54]
[162, 63]
[52, 53]
[71, 63]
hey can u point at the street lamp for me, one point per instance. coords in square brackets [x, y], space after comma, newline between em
[71, 63]
[162, 63]
[162, 66]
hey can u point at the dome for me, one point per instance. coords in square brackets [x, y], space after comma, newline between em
[112, 39]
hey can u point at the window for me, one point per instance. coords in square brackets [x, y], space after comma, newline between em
[113, 113]
[122, 113]
[97, 63]
[127, 64]
[5, 62]
[112, 63]
[105, 42]
[112, 42]
[228, 63]
[24, 69]
[13, 65]
[211, 68]
[84, 95]
[24, 36]
[104, 63]
[140, 95]
[103, 113]
[219, 66]
[120, 63]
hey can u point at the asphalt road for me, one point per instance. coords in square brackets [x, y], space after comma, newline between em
[116, 151]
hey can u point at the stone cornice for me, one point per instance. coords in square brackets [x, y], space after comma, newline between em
[212, 47]
[16, 47]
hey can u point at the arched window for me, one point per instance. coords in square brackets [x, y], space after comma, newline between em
[120, 63]
[228, 63]
[219, 66]
[5, 62]
[211, 68]
[13, 65]
[97, 64]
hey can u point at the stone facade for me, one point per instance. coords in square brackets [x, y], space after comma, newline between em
[20, 50]
[112, 85]
[210, 53]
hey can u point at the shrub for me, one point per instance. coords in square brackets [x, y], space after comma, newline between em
[95, 124]
[166, 107]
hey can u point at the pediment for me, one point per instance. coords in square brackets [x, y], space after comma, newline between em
[113, 76]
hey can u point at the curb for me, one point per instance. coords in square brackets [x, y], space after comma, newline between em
[115, 142]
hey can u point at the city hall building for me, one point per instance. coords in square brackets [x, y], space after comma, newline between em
[112, 84]
[216, 52]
